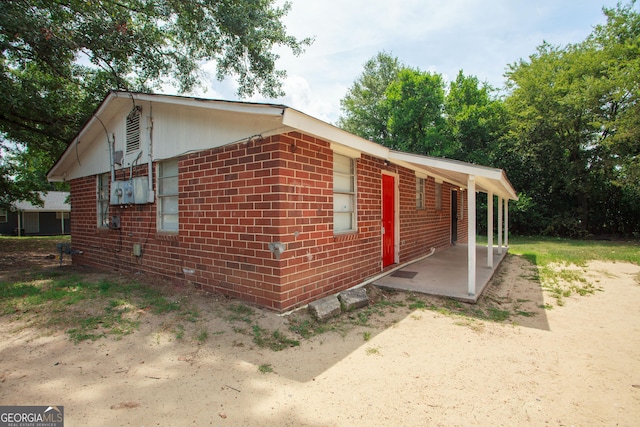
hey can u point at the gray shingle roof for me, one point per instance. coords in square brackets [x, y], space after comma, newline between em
[54, 201]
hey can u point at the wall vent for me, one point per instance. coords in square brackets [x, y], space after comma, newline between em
[133, 130]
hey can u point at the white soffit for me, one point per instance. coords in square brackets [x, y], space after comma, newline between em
[487, 179]
[332, 134]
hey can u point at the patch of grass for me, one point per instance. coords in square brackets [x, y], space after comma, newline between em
[373, 351]
[265, 368]
[564, 282]
[442, 310]
[497, 315]
[179, 331]
[524, 313]
[161, 305]
[546, 250]
[275, 340]
[202, 336]
[418, 305]
[40, 244]
[466, 313]
[470, 323]
[190, 315]
[361, 318]
[556, 261]
[240, 313]
[415, 303]
[113, 323]
[307, 328]
[87, 310]
[392, 304]
[239, 330]
[366, 336]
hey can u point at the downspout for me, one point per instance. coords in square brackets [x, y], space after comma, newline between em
[112, 148]
[150, 195]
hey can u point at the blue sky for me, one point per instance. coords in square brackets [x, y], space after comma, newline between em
[443, 36]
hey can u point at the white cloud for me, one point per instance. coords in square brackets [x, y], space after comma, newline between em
[480, 37]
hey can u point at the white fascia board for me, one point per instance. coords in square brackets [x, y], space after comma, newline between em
[489, 178]
[507, 185]
[345, 151]
[53, 175]
[438, 175]
[220, 105]
[318, 128]
[448, 164]
[116, 98]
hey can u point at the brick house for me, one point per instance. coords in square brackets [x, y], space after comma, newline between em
[27, 219]
[257, 201]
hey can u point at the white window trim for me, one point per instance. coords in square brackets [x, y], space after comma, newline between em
[160, 197]
[4, 213]
[354, 195]
[421, 191]
[438, 195]
[100, 223]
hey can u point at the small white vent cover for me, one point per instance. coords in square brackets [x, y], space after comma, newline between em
[133, 130]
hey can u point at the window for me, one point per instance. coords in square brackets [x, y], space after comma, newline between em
[3, 215]
[103, 200]
[344, 194]
[168, 196]
[420, 193]
[438, 196]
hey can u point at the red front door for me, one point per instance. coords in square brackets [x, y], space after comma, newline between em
[388, 220]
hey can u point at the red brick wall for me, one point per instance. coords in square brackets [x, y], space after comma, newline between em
[236, 200]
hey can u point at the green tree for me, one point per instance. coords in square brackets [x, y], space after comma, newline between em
[574, 117]
[59, 58]
[364, 110]
[615, 47]
[476, 120]
[404, 109]
[415, 101]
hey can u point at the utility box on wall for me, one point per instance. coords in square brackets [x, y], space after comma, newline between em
[117, 193]
[132, 192]
[137, 249]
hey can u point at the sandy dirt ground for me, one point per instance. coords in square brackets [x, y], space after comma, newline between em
[571, 365]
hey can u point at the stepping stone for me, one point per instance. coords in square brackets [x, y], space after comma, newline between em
[325, 308]
[353, 298]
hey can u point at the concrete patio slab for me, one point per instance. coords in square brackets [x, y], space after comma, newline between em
[444, 273]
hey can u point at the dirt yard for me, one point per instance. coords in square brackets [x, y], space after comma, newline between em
[576, 364]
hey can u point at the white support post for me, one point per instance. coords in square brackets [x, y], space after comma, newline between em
[506, 223]
[500, 225]
[490, 229]
[62, 221]
[471, 221]
[19, 223]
